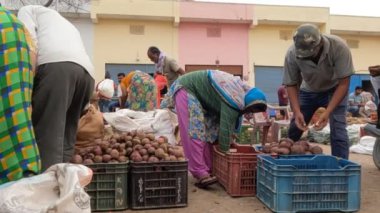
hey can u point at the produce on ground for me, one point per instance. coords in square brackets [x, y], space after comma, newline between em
[287, 146]
[136, 146]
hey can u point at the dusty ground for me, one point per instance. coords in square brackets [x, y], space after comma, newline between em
[216, 199]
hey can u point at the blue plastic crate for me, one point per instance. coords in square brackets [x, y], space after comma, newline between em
[308, 183]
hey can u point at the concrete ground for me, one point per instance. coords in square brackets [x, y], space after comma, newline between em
[217, 200]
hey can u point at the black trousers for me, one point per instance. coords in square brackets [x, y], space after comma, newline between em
[60, 93]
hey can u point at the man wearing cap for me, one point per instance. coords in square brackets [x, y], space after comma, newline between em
[317, 74]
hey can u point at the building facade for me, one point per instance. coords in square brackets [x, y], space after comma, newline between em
[243, 39]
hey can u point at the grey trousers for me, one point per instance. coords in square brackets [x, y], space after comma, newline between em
[60, 93]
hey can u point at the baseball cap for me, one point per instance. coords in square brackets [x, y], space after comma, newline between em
[306, 38]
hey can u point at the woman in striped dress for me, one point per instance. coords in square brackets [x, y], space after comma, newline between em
[19, 156]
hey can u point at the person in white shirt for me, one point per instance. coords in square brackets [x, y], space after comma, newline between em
[63, 83]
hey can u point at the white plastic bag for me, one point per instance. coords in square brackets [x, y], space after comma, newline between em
[59, 189]
[160, 122]
[106, 88]
[365, 145]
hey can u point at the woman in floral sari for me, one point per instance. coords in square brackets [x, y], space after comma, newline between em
[139, 91]
[209, 106]
[19, 156]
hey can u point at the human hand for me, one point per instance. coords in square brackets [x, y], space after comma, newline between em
[300, 121]
[322, 121]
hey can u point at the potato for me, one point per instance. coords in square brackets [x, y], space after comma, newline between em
[316, 150]
[122, 159]
[181, 159]
[150, 136]
[115, 145]
[108, 151]
[128, 138]
[297, 149]
[153, 159]
[106, 158]
[136, 141]
[134, 153]
[178, 153]
[283, 150]
[140, 134]
[145, 157]
[129, 143]
[98, 159]
[114, 154]
[155, 144]
[138, 147]
[113, 161]
[104, 145]
[143, 151]
[151, 150]
[128, 151]
[285, 144]
[147, 146]
[173, 158]
[170, 150]
[122, 146]
[88, 161]
[145, 141]
[164, 146]
[97, 150]
[76, 159]
[123, 152]
[160, 153]
[137, 158]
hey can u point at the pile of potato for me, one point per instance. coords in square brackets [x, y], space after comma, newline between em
[287, 146]
[136, 146]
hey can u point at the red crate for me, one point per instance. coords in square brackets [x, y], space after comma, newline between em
[236, 169]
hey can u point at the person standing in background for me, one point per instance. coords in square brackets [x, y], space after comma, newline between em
[19, 156]
[165, 65]
[63, 83]
[162, 86]
[282, 98]
[104, 101]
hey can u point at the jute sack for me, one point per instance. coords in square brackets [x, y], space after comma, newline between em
[90, 127]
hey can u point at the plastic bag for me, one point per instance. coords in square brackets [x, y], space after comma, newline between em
[365, 145]
[59, 189]
[160, 122]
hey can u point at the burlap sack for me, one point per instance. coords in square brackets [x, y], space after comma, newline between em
[90, 127]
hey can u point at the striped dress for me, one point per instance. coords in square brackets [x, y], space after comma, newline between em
[19, 156]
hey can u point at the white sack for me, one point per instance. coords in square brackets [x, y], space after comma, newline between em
[59, 189]
[365, 145]
[160, 122]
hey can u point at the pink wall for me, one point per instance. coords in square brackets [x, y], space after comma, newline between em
[196, 48]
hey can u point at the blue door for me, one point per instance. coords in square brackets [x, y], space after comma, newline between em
[269, 79]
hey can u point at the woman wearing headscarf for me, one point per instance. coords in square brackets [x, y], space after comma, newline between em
[209, 106]
[139, 91]
[19, 155]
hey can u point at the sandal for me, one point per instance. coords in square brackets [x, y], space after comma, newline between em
[206, 181]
